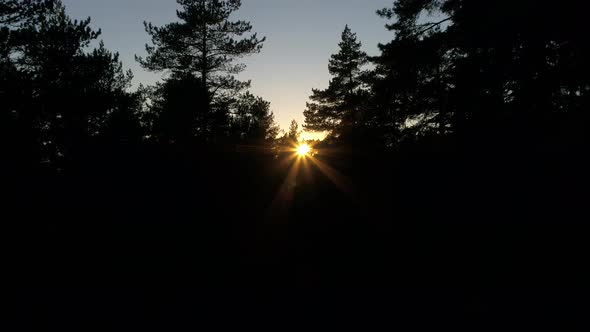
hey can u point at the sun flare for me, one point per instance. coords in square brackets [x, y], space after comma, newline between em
[303, 150]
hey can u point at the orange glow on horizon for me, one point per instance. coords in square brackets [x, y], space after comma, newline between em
[313, 136]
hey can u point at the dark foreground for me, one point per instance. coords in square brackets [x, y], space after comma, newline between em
[175, 242]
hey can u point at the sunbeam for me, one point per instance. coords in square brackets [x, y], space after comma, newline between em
[337, 178]
[279, 209]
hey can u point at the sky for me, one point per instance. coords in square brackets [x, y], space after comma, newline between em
[301, 36]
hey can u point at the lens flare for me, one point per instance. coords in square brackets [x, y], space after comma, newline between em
[303, 150]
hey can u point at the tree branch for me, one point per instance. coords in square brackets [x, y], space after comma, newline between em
[432, 26]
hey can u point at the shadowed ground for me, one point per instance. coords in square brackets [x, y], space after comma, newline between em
[248, 226]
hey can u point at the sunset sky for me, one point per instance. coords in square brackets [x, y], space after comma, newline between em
[301, 36]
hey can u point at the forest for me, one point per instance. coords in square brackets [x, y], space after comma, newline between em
[453, 169]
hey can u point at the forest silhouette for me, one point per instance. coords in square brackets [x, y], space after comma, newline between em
[453, 159]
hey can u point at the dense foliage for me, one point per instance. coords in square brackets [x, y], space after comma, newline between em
[503, 72]
[58, 93]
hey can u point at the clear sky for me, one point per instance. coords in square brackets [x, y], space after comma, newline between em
[301, 36]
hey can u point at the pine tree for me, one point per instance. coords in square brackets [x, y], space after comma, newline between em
[204, 44]
[294, 133]
[15, 12]
[410, 89]
[290, 139]
[18, 137]
[67, 94]
[338, 108]
[253, 121]
[474, 69]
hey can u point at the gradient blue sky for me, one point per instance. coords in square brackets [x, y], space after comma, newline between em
[301, 36]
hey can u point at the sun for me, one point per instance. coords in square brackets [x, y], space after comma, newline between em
[303, 150]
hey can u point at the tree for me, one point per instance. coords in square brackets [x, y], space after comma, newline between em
[15, 12]
[464, 68]
[253, 121]
[66, 94]
[410, 85]
[338, 109]
[17, 137]
[205, 45]
[174, 121]
[293, 134]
